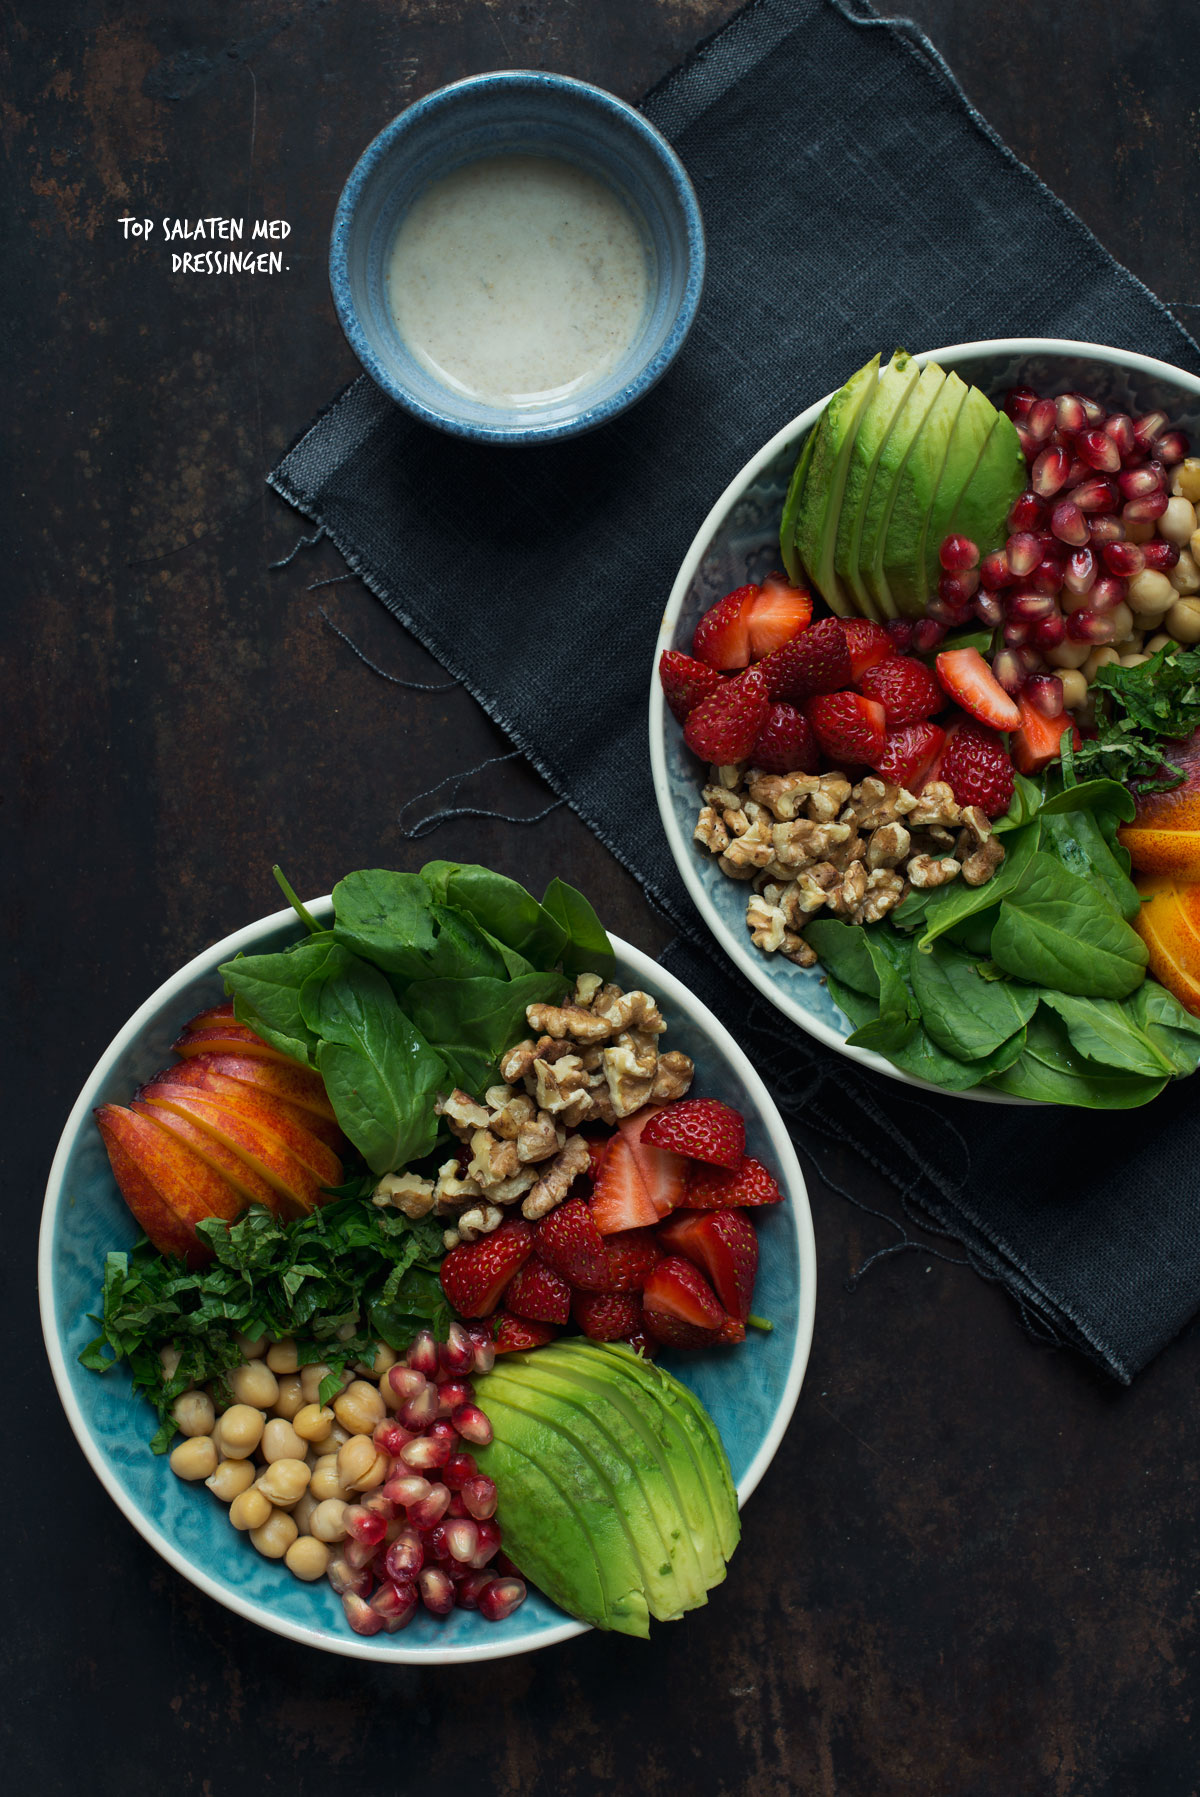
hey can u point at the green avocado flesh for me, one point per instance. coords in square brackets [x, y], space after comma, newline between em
[615, 1493]
[886, 407]
[916, 491]
[820, 504]
[878, 523]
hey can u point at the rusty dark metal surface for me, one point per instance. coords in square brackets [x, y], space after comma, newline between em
[971, 1571]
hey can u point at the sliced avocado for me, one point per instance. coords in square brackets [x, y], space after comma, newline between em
[882, 497]
[562, 1522]
[821, 499]
[903, 550]
[971, 432]
[791, 510]
[886, 405]
[983, 506]
[585, 1409]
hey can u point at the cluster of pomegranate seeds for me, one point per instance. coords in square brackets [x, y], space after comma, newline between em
[427, 1536]
[1098, 480]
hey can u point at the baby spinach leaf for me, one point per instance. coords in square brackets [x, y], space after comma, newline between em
[1075, 837]
[967, 1016]
[588, 949]
[505, 910]
[897, 1006]
[974, 934]
[1172, 1029]
[842, 950]
[1052, 1070]
[1058, 930]
[392, 919]
[1092, 795]
[1026, 803]
[858, 1007]
[949, 905]
[1106, 1031]
[470, 1023]
[921, 1056]
[266, 993]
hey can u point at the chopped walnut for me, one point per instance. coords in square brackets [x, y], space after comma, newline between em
[632, 1011]
[629, 1069]
[559, 1083]
[538, 1139]
[711, 832]
[924, 871]
[586, 987]
[509, 1111]
[849, 891]
[874, 803]
[753, 848]
[796, 949]
[516, 1064]
[801, 843]
[556, 1181]
[405, 1192]
[981, 864]
[493, 1160]
[452, 1192]
[462, 1113]
[481, 1219]
[568, 1020]
[936, 805]
[889, 844]
[735, 872]
[885, 889]
[673, 1077]
[721, 799]
[767, 924]
[784, 794]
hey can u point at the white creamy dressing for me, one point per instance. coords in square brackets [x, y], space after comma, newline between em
[518, 280]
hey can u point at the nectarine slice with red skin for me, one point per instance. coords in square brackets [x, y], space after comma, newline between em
[300, 1085]
[240, 1174]
[1169, 925]
[205, 1020]
[230, 1038]
[167, 1187]
[258, 1144]
[290, 1121]
[1164, 837]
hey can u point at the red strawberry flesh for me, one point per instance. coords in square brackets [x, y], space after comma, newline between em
[969, 681]
[568, 1240]
[716, 1188]
[817, 661]
[676, 1288]
[909, 754]
[723, 1244]
[725, 727]
[475, 1274]
[868, 645]
[685, 681]
[539, 1294]
[664, 1173]
[619, 1202]
[976, 767]
[515, 1335]
[908, 690]
[722, 636]
[786, 744]
[778, 612]
[703, 1129]
[607, 1316]
[848, 727]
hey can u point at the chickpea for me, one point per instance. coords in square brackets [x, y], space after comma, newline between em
[1161, 641]
[231, 1478]
[170, 1357]
[192, 1413]
[337, 1437]
[285, 1481]
[1098, 658]
[254, 1383]
[1178, 522]
[1067, 655]
[282, 1358]
[1183, 621]
[1194, 546]
[359, 1408]
[252, 1347]
[290, 1396]
[195, 1458]
[327, 1521]
[1138, 530]
[360, 1465]
[1185, 575]
[307, 1559]
[303, 1511]
[1122, 622]
[274, 1537]
[281, 1442]
[1070, 602]
[310, 1380]
[239, 1431]
[325, 1482]
[1074, 688]
[250, 1509]
[1186, 479]
[385, 1357]
[1150, 594]
[1133, 661]
[312, 1422]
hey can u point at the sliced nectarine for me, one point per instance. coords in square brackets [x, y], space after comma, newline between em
[301, 1086]
[204, 1020]
[314, 1140]
[1169, 925]
[240, 1174]
[258, 1144]
[229, 1038]
[167, 1187]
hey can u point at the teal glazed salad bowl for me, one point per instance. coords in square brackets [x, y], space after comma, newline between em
[750, 1392]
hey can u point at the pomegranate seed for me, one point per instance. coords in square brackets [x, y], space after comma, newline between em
[470, 1588]
[499, 1599]
[1135, 483]
[406, 1382]
[505, 1567]
[1047, 577]
[1147, 429]
[427, 1512]
[1008, 671]
[959, 589]
[1068, 523]
[346, 1578]
[1159, 555]
[1172, 447]
[1099, 451]
[378, 1503]
[942, 612]
[470, 1421]
[457, 1470]
[418, 1412]
[456, 1507]
[1049, 632]
[1049, 473]
[1071, 415]
[1123, 558]
[1022, 552]
[1090, 627]
[397, 1604]
[358, 1555]
[1105, 530]
[389, 1437]
[423, 1354]
[457, 1353]
[1029, 605]
[1107, 594]
[957, 554]
[1018, 402]
[1096, 494]
[363, 1526]
[1119, 429]
[1016, 633]
[994, 571]
[1093, 411]
[407, 1488]
[423, 1454]
[900, 630]
[359, 1614]
[444, 1430]
[485, 1356]
[1030, 445]
[479, 1496]
[489, 1542]
[436, 1542]
[1046, 692]
[1146, 509]
[462, 1538]
[1077, 473]
[1041, 419]
[1027, 512]
[405, 1557]
[437, 1591]
[988, 609]
[927, 634]
[453, 1393]
[1080, 571]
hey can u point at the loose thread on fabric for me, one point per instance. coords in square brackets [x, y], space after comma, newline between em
[412, 686]
[436, 819]
[304, 543]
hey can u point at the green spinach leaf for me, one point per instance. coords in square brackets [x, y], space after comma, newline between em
[897, 1007]
[842, 950]
[392, 919]
[266, 993]
[1026, 803]
[505, 910]
[1108, 1032]
[1052, 1070]
[950, 905]
[470, 1023]
[966, 1015]
[1076, 838]
[588, 949]
[1172, 1029]
[1057, 930]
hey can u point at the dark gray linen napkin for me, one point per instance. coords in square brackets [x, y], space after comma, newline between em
[852, 200]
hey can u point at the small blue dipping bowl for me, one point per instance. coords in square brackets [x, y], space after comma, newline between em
[516, 112]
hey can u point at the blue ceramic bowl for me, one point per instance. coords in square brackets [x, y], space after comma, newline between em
[750, 1390]
[530, 113]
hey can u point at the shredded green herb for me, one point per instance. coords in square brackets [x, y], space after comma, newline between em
[336, 1282]
[1139, 712]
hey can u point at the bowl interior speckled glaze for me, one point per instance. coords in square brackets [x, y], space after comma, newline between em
[532, 113]
[739, 542]
[750, 1390]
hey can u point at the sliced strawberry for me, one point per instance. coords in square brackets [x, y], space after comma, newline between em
[817, 661]
[778, 612]
[515, 1335]
[848, 727]
[724, 1245]
[569, 1241]
[703, 1129]
[664, 1173]
[715, 1188]
[722, 636]
[681, 1308]
[607, 1316]
[909, 754]
[1039, 740]
[970, 683]
[621, 1201]
[977, 768]
[725, 726]
[685, 682]
[908, 691]
[475, 1274]
[633, 1255]
[868, 644]
[539, 1294]
[597, 1147]
[786, 744]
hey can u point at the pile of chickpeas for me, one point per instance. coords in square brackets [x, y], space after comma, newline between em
[287, 1465]
[1159, 608]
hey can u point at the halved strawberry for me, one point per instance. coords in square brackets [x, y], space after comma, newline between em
[786, 744]
[664, 1173]
[703, 1129]
[970, 683]
[817, 661]
[633, 1255]
[539, 1294]
[725, 726]
[597, 1147]
[607, 1316]
[475, 1274]
[905, 687]
[620, 1201]
[569, 1241]
[685, 681]
[910, 754]
[722, 636]
[680, 1307]
[1038, 742]
[977, 768]
[716, 1188]
[724, 1244]
[514, 1335]
[848, 727]
[868, 644]
[778, 612]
